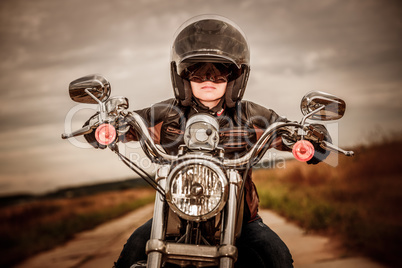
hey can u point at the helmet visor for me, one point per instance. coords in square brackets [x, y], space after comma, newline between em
[201, 72]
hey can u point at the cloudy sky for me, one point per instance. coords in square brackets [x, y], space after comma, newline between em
[348, 48]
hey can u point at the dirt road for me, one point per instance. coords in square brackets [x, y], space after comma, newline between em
[101, 246]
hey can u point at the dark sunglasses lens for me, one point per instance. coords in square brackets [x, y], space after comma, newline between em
[221, 80]
[216, 73]
[196, 79]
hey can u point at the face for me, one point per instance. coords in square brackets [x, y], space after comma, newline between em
[208, 92]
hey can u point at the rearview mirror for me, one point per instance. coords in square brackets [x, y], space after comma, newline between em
[319, 105]
[95, 84]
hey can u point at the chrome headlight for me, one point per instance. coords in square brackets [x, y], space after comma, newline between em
[202, 132]
[197, 189]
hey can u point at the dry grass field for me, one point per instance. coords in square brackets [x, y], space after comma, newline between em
[29, 228]
[359, 200]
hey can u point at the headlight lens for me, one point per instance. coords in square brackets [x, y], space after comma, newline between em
[197, 190]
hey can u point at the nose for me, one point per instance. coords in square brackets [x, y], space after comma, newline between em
[206, 77]
[209, 77]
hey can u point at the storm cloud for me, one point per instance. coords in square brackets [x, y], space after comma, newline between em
[351, 49]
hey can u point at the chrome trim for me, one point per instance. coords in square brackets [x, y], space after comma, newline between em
[117, 104]
[82, 131]
[202, 132]
[99, 86]
[158, 226]
[102, 106]
[335, 148]
[206, 118]
[310, 114]
[162, 172]
[229, 224]
[219, 172]
[334, 107]
[147, 143]
[197, 255]
[158, 156]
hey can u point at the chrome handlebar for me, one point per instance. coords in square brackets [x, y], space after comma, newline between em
[256, 152]
[158, 156]
[147, 143]
[263, 143]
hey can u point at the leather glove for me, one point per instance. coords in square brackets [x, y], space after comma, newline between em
[320, 153]
[90, 137]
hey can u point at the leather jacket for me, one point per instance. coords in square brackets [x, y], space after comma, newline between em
[240, 128]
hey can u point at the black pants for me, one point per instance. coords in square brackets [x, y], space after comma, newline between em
[258, 246]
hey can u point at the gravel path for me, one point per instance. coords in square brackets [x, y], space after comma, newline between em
[101, 246]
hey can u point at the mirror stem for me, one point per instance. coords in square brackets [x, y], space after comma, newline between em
[102, 109]
[310, 114]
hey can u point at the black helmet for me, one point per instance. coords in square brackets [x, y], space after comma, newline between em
[214, 39]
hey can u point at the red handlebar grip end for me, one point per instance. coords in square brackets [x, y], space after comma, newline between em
[303, 150]
[105, 134]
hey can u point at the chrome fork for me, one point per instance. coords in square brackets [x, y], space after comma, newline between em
[158, 222]
[229, 226]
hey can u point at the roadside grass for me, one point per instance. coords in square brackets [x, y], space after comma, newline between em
[33, 227]
[358, 201]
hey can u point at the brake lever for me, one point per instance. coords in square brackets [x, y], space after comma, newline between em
[79, 132]
[333, 147]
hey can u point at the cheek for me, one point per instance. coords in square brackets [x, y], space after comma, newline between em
[222, 89]
[195, 87]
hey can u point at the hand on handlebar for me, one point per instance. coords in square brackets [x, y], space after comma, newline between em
[318, 133]
[90, 137]
[118, 123]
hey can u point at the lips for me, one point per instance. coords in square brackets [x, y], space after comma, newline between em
[208, 87]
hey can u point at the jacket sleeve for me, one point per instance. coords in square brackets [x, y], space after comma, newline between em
[153, 117]
[260, 118]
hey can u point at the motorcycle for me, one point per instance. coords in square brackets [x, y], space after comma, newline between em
[199, 200]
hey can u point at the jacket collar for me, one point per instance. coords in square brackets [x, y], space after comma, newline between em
[201, 108]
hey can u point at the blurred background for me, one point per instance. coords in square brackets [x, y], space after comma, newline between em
[351, 49]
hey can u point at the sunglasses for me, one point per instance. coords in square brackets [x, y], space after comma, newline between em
[216, 73]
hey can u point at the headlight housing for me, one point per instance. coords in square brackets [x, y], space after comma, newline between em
[202, 132]
[197, 189]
